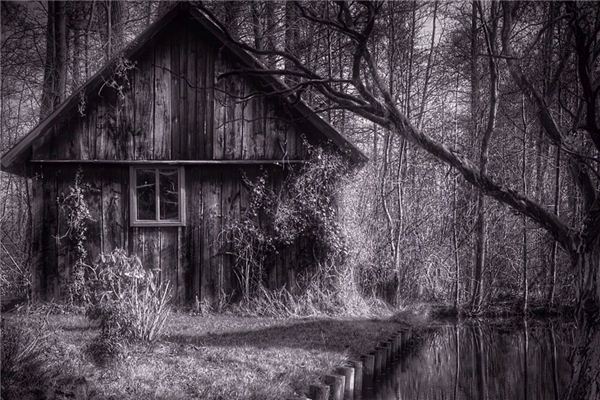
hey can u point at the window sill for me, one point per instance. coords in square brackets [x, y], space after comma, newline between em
[156, 224]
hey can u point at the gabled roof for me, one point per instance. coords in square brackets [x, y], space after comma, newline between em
[21, 150]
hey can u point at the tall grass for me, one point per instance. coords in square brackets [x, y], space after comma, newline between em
[330, 291]
[24, 371]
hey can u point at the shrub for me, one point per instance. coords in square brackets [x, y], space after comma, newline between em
[127, 300]
[303, 211]
[15, 276]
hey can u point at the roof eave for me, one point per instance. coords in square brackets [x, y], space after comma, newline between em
[308, 113]
[15, 152]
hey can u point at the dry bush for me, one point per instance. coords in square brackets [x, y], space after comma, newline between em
[15, 277]
[128, 301]
[332, 291]
[304, 211]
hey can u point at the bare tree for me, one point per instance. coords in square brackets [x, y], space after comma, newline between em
[368, 96]
[55, 70]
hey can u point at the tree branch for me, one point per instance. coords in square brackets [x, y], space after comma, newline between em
[387, 115]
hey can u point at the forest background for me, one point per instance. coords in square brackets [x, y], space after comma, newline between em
[462, 107]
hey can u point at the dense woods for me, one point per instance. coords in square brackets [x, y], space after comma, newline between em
[480, 119]
[504, 93]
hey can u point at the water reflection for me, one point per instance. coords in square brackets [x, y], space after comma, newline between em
[484, 361]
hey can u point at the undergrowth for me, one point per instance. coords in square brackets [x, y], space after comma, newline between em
[35, 363]
[330, 292]
[301, 215]
[23, 362]
[127, 301]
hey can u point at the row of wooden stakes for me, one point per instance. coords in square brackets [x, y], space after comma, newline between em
[350, 381]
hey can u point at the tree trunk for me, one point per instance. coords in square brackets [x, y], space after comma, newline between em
[256, 25]
[270, 32]
[74, 21]
[114, 27]
[55, 68]
[291, 35]
[428, 69]
[480, 254]
[481, 234]
[409, 83]
[554, 254]
[383, 191]
[476, 280]
[455, 210]
[86, 45]
[480, 224]
[585, 378]
[524, 282]
[399, 230]
[525, 360]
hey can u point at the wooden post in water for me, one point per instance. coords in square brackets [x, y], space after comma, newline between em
[398, 344]
[404, 340]
[368, 369]
[383, 345]
[386, 356]
[348, 374]
[358, 378]
[380, 361]
[390, 354]
[400, 341]
[318, 392]
[377, 365]
[336, 384]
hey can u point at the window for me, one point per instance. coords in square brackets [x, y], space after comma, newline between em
[157, 196]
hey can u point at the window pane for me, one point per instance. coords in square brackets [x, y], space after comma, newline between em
[146, 194]
[169, 194]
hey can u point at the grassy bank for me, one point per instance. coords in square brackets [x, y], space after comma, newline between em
[216, 357]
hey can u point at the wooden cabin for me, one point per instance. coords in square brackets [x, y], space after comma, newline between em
[164, 156]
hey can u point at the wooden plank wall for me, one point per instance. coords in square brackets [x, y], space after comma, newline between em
[172, 106]
[192, 258]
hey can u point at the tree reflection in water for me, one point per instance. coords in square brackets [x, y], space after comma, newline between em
[477, 360]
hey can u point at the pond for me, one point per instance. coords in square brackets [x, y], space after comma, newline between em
[478, 360]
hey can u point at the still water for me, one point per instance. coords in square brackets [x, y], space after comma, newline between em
[487, 361]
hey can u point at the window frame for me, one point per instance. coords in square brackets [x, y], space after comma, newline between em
[133, 206]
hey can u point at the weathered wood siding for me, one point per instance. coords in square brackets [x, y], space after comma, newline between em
[193, 258]
[172, 106]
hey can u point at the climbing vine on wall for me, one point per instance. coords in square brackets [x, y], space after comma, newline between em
[74, 211]
[302, 210]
